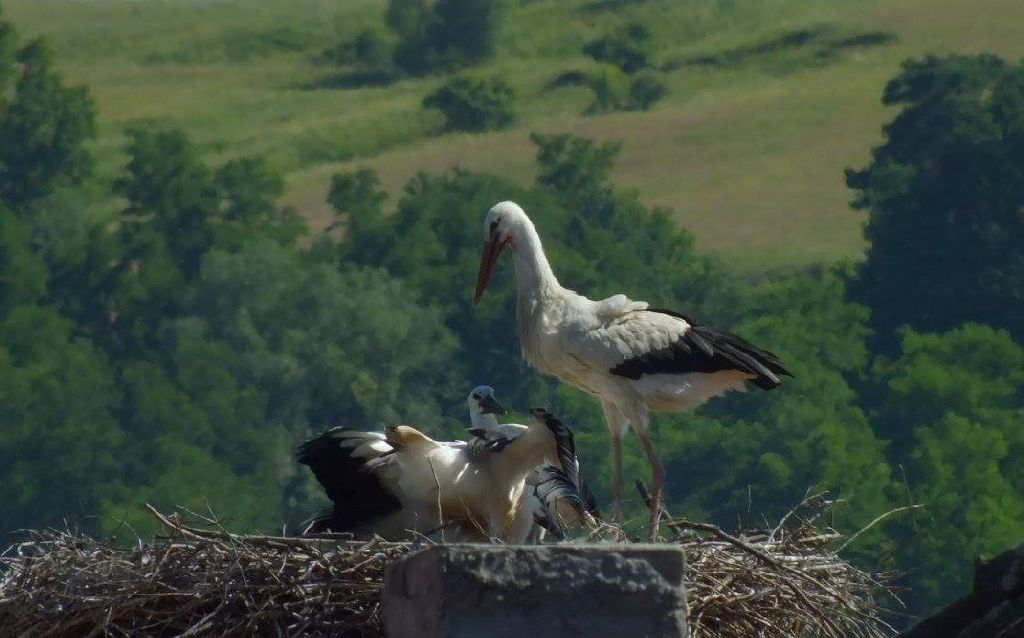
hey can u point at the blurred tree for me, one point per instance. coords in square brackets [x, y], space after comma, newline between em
[406, 17]
[615, 91]
[372, 50]
[198, 438]
[575, 166]
[466, 29]
[23, 277]
[955, 411]
[59, 450]
[249, 190]
[358, 195]
[326, 347]
[470, 104]
[645, 90]
[628, 47]
[448, 35]
[610, 87]
[43, 124]
[944, 195]
[809, 433]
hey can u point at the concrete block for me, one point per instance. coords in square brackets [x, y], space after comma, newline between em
[500, 591]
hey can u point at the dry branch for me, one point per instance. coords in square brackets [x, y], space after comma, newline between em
[201, 580]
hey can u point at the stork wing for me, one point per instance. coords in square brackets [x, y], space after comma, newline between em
[604, 341]
[347, 464]
[657, 341]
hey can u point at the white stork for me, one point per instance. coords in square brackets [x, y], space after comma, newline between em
[389, 484]
[631, 357]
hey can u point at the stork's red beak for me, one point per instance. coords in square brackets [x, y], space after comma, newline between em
[492, 248]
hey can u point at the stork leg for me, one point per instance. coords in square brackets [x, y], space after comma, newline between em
[617, 480]
[657, 478]
[617, 425]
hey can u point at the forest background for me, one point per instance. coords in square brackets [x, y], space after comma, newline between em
[227, 225]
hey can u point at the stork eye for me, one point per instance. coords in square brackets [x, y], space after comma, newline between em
[494, 225]
[476, 396]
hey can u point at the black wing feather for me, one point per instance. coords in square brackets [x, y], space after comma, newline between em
[565, 443]
[356, 491]
[705, 350]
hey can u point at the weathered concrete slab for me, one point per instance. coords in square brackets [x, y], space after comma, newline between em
[498, 591]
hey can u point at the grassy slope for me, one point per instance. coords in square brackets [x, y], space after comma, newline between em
[749, 154]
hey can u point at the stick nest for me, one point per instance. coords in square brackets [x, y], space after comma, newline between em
[200, 580]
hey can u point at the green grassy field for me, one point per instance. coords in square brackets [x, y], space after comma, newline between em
[748, 151]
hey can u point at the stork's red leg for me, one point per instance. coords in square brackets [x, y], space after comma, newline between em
[617, 480]
[657, 481]
[617, 426]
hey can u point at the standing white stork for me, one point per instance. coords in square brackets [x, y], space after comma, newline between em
[631, 357]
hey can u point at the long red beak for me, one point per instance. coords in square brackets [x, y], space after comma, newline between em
[487, 260]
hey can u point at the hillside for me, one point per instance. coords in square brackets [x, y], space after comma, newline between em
[769, 101]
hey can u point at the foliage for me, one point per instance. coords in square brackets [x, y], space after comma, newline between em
[475, 105]
[447, 35]
[43, 125]
[176, 349]
[944, 194]
[954, 408]
[808, 434]
[615, 91]
[575, 167]
[610, 87]
[628, 47]
[371, 49]
[358, 195]
[645, 90]
[58, 452]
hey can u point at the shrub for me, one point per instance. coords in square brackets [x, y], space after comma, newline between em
[372, 50]
[628, 47]
[614, 91]
[611, 91]
[645, 90]
[473, 104]
[451, 34]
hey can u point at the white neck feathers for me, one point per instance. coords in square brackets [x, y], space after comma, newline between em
[533, 272]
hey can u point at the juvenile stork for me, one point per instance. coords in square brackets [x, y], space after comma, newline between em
[402, 480]
[632, 358]
[558, 494]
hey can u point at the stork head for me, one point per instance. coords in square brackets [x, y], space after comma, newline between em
[500, 226]
[481, 401]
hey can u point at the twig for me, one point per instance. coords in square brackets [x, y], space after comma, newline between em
[877, 520]
[205, 580]
[440, 512]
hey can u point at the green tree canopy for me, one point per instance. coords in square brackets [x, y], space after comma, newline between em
[471, 104]
[628, 46]
[810, 433]
[944, 195]
[60, 440]
[955, 410]
[44, 125]
[447, 35]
